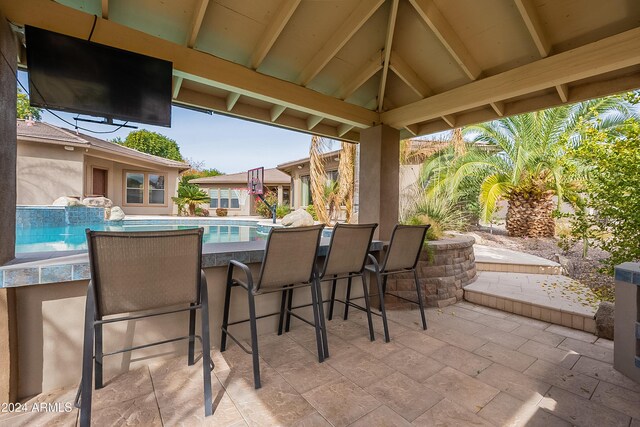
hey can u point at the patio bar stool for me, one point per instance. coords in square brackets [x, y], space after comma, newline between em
[288, 263]
[143, 274]
[345, 259]
[401, 257]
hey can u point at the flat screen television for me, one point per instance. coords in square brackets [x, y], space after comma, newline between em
[79, 76]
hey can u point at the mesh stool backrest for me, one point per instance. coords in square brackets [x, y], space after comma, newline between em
[289, 257]
[349, 249]
[134, 271]
[405, 246]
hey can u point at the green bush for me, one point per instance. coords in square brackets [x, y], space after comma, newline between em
[262, 209]
[612, 187]
[312, 211]
[282, 210]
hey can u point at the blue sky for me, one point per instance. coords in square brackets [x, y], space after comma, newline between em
[228, 144]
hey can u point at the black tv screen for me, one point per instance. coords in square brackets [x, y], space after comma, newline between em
[79, 76]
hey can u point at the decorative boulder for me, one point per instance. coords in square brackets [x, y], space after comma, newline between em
[117, 214]
[98, 202]
[297, 218]
[66, 201]
[604, 320]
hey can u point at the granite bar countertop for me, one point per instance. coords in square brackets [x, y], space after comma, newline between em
[54, 267]
[628, 272]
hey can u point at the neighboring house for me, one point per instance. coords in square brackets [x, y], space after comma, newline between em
[54, 162]
[231, 191]
[299, 172]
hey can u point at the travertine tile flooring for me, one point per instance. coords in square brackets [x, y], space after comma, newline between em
[474, 366]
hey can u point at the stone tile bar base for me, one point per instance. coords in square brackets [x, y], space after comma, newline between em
[444, 269]
[626, 356]
[8, 347]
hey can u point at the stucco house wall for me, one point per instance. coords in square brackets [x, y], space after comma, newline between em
[53, 162]
[46, 172]
[223, 184]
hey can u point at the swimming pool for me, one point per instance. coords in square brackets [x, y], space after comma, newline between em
[72, 237]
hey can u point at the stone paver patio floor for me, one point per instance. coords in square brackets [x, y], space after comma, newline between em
[474, 366]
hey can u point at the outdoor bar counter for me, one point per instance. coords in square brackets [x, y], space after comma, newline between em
[50, 295]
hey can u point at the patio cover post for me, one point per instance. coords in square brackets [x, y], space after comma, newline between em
[8, 344]
[8, 142]
[379, 185]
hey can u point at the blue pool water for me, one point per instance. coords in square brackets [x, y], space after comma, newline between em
[72, 237]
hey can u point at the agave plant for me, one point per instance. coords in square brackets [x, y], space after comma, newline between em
[528, 166]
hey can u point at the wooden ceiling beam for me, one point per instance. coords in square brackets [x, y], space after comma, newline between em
[196, 22]
[188, 63]
[582, 92]
[263, 115]
[343, 129]
[177, 84]
[408, 75]
[355, 82]
[231, 100]
[603, 56]
[532, 21]
[105, 9]
[450, 120]
[391, 25]
[563, 92]
[273, 30]
[340, 37]
[313, 121]
[412, 129]
[498, 107]
[276, 111]
[434, 19]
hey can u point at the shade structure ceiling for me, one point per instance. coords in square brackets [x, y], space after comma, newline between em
[335, 67]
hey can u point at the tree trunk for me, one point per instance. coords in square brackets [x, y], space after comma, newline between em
[318, 178]
[530, 215]
[346, 178]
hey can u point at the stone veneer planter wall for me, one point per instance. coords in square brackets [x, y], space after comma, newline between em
[443, 271]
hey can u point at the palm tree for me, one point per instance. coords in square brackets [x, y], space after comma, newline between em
[527, 166]
[318, 178]
[346, 178]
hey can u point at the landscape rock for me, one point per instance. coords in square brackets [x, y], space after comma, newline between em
[117, 214]
[99, 202]
[604, 320]
[297, 218]
[67, 201]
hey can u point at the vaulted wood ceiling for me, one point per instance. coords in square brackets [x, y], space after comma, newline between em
[334, 67]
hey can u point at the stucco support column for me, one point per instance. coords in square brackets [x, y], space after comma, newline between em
[379, 178]
[280, 195]
[8, 336]
[7, 142]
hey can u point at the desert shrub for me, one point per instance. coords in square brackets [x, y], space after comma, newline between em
[282, 210]
[222, 212]
[202, 211]
[441, 212]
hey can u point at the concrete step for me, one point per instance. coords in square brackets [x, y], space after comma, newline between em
[489, 258]
[550, 298]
